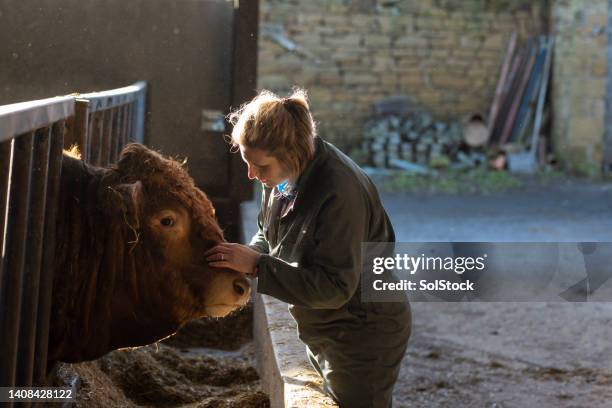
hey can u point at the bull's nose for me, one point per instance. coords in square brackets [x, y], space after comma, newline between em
[241, 287]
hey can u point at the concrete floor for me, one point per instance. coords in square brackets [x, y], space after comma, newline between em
[507, 354]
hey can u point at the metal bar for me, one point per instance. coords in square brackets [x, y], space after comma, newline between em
[114, 145]
[107, 128]
[141, 112]
[114, 97]
[130, 123]
[20, 118]
[95, 135]
[80, 133]
[122, 130]
[13, 265]
[30, 284]
[5, 161]
[58, 131]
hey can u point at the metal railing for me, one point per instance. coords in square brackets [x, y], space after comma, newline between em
[32, 135]
[105, 120]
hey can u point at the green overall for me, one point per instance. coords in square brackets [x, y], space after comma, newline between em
[311, 259]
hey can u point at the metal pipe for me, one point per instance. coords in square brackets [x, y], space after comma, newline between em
[30, 284]
[130, 123]
[13, 265]
[115, 129]
[107, 128]
[6, 149]
[58, 132]
[95, 138]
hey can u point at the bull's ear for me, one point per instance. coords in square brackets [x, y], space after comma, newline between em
[131, 198]
[138, 160]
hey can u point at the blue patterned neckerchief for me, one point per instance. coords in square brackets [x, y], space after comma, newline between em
[287, 190]
[287, 193]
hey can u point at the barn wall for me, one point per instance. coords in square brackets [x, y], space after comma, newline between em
[579, 82]
[445, 55]
[182, 48]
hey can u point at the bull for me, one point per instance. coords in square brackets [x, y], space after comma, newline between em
[129, 267]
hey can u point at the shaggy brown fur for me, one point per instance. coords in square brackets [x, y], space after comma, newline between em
[113, 285]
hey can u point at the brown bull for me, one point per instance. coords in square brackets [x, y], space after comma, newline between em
[129, 264]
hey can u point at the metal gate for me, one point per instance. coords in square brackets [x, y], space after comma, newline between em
[32, 135]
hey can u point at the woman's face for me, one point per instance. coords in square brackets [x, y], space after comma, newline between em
[263, 167]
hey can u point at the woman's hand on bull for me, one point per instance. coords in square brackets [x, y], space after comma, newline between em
[238, 257]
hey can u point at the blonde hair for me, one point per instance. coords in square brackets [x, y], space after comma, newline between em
[282, 127]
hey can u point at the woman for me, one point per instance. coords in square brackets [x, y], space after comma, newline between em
[317, 208]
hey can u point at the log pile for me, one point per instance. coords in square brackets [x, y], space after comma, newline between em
[415, 142]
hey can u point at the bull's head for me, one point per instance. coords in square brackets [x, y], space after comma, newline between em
[173, 224]
[130, 267]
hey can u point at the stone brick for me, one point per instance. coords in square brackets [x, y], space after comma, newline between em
[377, 40]
[451, 81]
[412, 80]
[599, 67]
[429, 96]
[446, 43]
[585, 130]
[274, 81]
[360, 79]
[320, 94]
[464, 52]
[591, 87]
[308, 39]
[411, 41]
[329, 78]
[344, 41]
[440, 53]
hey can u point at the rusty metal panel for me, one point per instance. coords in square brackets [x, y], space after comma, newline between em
[31, 278]
[13, 265]
[58, 132]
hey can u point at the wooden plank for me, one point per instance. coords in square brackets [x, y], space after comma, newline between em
[506, 99]
[517, 97]
[542, 95]
[500, 84]
[531, 92]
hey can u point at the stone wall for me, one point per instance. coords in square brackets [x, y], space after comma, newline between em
[579, 81]
[445, 55]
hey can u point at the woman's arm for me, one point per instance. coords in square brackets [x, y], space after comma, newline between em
[259, 242]
[332, 274]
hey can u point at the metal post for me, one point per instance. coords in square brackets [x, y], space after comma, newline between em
[80, 133]
[13, 265]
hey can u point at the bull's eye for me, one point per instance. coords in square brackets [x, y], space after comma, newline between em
[167, 222]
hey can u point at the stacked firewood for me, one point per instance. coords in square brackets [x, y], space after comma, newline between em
[413, 141]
